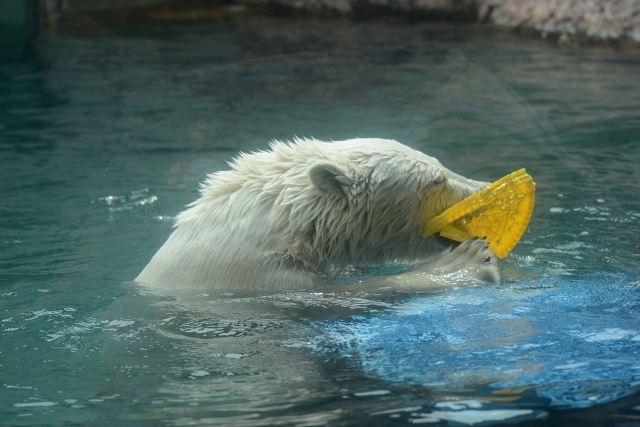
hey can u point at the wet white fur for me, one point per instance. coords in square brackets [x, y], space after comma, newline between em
[287, 217]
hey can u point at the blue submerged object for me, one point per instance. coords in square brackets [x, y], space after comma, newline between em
[572, 343]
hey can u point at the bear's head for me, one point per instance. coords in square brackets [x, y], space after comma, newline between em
[325, 205]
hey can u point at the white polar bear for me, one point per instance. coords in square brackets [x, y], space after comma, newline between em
[292, 217]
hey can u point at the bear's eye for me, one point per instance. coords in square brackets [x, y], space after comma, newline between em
[435, 183]
[438, 180]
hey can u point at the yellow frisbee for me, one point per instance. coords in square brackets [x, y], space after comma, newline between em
[500, 213]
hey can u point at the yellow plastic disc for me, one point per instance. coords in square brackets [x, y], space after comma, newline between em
[500, 213]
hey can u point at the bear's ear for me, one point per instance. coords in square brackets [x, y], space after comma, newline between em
[328, 178]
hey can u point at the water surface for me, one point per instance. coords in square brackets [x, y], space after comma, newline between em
[105, 135]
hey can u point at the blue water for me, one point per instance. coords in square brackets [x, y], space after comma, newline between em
[106, 131]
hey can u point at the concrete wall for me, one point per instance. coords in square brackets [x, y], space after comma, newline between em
[607, 21]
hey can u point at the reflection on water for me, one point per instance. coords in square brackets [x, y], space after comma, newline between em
[106, 139]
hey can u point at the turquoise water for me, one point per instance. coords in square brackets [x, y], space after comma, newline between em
[106, 132]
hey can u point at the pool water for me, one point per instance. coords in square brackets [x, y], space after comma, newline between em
[106, 131]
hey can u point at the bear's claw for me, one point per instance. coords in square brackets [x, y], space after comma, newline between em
[471, 262]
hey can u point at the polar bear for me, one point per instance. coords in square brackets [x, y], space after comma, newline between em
[292, 217]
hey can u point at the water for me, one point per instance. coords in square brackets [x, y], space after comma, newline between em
[106, 132]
